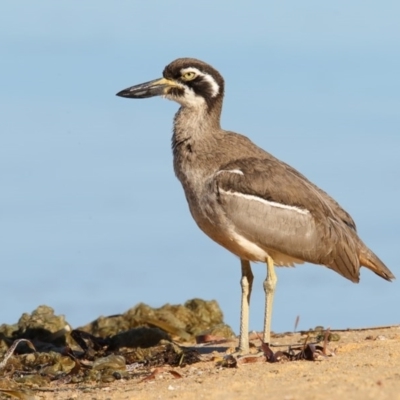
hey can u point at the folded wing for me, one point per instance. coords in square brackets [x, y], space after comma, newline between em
[275, 207]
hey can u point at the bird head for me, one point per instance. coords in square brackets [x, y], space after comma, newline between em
[190, 82]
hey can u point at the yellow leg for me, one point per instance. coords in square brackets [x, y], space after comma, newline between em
[246, 283]
[269, 289]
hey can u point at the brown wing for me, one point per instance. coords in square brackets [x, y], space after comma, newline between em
[269, 180]
[274, 206]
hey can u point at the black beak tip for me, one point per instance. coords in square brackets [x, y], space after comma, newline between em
[123, 93]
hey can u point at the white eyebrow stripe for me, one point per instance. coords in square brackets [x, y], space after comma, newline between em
[267, 202]
[214, 85]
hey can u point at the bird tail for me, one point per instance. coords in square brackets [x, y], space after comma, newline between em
[371, 261]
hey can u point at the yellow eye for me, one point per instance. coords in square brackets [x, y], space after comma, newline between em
[189, 76]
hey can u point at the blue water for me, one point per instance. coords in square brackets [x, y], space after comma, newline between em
[92, 219]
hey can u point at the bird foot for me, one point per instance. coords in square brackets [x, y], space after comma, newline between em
[252, 351]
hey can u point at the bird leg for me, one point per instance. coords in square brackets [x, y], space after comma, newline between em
[246, 283]
[269, 289]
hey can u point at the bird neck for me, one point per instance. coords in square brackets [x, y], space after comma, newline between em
[193, 124]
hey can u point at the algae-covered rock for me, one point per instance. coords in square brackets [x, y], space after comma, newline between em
[45, 348]
[138, 337]
[181, 322]
[43, 318]
[42, 327]
[219, 331]
[6, 333]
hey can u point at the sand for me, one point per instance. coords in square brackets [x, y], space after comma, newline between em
[366, 365]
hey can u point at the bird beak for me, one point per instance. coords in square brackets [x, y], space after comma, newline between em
[157, 87]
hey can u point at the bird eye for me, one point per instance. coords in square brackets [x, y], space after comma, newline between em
[189, 76]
